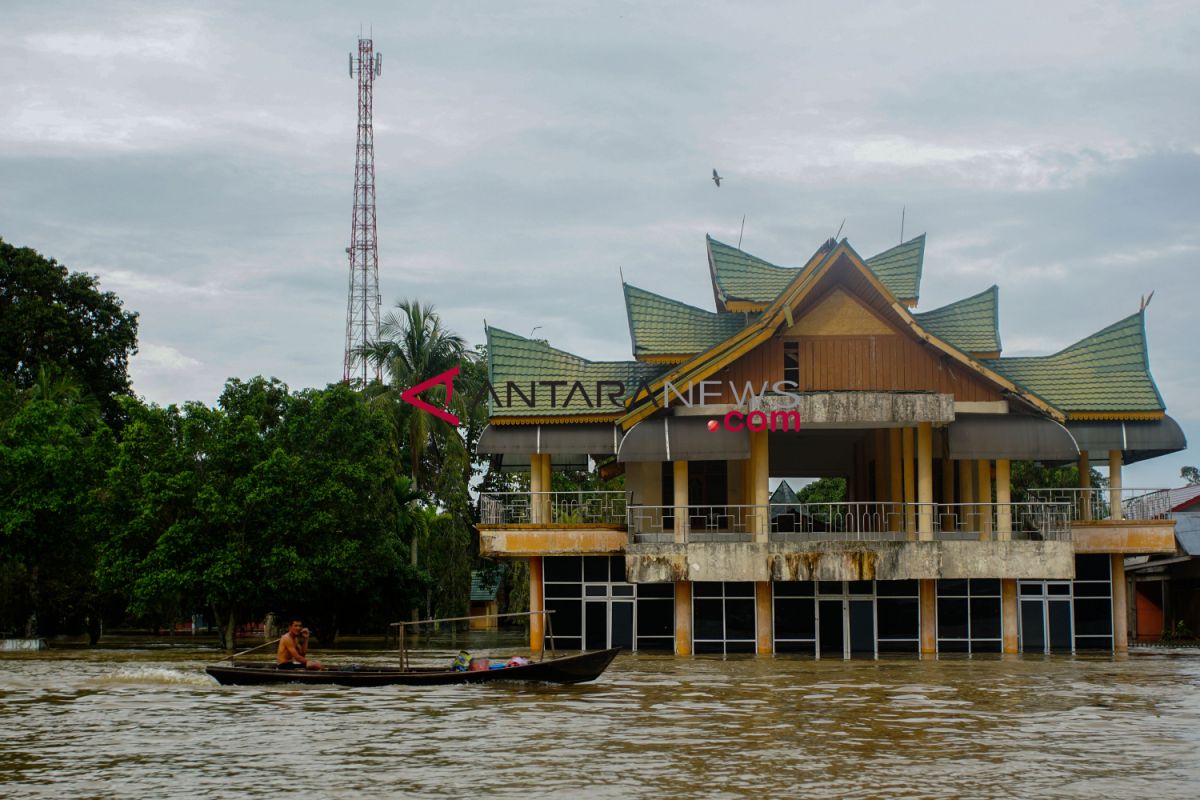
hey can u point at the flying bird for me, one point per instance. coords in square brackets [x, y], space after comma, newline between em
[717, 178]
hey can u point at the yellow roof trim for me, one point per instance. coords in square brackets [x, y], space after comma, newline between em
[665, 358]
[1115, 415]
[743, 305]
[561, 420]
[754, 334]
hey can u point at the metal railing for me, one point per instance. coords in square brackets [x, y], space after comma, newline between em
[1096, 503]
[552, 508]
[860, 521]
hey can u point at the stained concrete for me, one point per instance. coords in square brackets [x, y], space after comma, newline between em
[871, 409]
[848, 561]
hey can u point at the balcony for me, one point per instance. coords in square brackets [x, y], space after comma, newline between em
[1125, 520]
[849, 541]
[551, 523]
[850, 522]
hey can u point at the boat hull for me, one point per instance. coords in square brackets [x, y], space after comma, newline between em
[568, 669]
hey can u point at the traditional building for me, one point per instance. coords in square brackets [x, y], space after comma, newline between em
[920, 412]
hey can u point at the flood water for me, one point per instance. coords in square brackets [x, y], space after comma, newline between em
[149, 723]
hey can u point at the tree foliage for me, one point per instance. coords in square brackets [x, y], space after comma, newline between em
[56, 320]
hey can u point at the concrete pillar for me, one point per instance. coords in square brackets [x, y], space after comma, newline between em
[764, 618]
[881, 465]
[1085, 483]
[1114, 485]
[1120, 601]
[925, 481]
[910, 484]
[537, 602]
[1003, 500]
[680, 472]
[928, 589]
[761, 468]
[966, 490]
[895, 480]
[683, 618]
[983, 499]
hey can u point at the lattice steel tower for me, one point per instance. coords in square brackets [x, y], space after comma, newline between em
[362, 303]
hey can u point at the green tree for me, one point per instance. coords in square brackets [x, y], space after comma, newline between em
[53, 455]
[1191, 475]
[823, 490]
[58, 320]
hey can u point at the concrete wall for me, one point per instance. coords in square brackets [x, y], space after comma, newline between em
[848, 561]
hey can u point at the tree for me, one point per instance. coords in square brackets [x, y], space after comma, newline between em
[823, 490]
[58, 320]
[53, 455]
[1191, 475]
[271, 501]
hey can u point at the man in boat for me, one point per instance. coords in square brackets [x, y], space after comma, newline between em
[293, 648]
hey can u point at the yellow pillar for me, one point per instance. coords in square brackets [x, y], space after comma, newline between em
[910, 488]
[925, 481]
[1114, 485]
[966, 490]
[535, 489]
[983, 499]
[1085, 483]
[1008, 614]
[881, 465]
[683, 618]
[928, 594]
[537, 602]
[761, 468]
[948, 482]
[1003, 500]
[764, 618]
[895, 481]
[548, 488]
[1120, 602]
[680, 471]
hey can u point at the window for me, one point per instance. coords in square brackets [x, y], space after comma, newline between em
[594, 607]
[791, 363]
[723, 617]
[1093, 603]
[968, 616]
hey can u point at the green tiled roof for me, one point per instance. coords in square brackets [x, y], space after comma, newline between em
[525, 361]
[660, 326]
[899, 269]
[970, 324]
[741, 276]
[1107, 371]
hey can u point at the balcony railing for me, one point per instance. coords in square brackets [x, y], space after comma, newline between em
[1097, 503]
[863, 521]
[552, 508]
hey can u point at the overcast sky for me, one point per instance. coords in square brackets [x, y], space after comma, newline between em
[199, 160]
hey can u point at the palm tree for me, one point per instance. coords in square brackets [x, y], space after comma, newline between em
[412, 347]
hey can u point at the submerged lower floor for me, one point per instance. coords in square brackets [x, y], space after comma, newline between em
[595, 606]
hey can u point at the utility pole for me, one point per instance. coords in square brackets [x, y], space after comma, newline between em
[362, 303]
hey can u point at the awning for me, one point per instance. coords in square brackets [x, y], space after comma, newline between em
[682, 439]
[1010, 436]
[569, 439]
[1137, 441]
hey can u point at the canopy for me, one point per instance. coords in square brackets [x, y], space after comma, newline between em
[1137, 441]
[569, 439]
[682, 439]
[1010, 436]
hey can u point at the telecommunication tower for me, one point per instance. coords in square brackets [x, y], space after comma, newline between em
[362, 303]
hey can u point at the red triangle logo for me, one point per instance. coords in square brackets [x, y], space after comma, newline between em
[446, 379]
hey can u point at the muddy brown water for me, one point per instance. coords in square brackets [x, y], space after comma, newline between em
[137, 723]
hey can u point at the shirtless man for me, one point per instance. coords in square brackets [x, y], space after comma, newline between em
[293, 648]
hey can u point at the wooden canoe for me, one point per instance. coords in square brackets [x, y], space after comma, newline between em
[567, 669]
